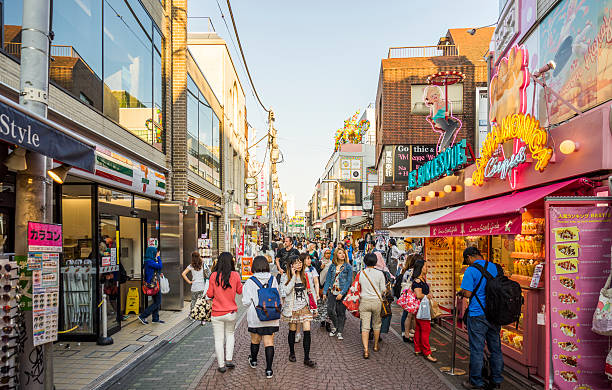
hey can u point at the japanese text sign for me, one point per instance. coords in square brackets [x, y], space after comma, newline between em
[44, 237]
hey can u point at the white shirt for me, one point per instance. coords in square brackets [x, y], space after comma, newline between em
[377, 278]
[197, 278]
[250, 298]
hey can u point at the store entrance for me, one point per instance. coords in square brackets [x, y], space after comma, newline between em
[109, 269]
[131, 256]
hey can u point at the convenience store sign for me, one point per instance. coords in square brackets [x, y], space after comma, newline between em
[443, 164]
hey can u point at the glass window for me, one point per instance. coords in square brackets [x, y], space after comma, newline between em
[79, 259]
[142, 16]
[192, 132]
[128, 73]
[156, 125]
[77, 57]
[205, 139]
[12, 12]
[114, 197]
[216, 151]
[142, 203]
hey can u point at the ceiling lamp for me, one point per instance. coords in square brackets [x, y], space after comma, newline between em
[59, 174]
[568, 146]
[436, 194]
[449, 188]
[16, 161]
[468, 182]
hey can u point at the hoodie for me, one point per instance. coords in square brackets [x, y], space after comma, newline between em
[151, 263]
[250, 298]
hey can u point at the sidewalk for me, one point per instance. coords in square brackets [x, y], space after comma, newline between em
[340, 365]
[88, 365]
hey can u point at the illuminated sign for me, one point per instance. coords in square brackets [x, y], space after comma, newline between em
[443, 164]
[528, 138]
[509, 85]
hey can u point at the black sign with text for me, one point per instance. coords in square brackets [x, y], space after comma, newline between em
[421, 154]
[402, 163]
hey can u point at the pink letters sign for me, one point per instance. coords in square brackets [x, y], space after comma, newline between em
[506, 224]
[44, 237]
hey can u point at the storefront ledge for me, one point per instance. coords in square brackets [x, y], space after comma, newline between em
[173, 335]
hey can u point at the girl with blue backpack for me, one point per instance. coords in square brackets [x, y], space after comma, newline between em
[260, 294]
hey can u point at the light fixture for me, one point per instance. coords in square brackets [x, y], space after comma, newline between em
[449, 188]
[468, 182]
[471, 31]
[275, 154]
[436, 194]
[16, 161]
[411, 203]
[549, 66]
[59, 174]
[419, 198]
[568, 146]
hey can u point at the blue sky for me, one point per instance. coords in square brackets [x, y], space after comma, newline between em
[317, 62]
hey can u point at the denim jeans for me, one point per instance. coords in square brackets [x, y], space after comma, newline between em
[336, 312]
[479, 331]
[153, 308]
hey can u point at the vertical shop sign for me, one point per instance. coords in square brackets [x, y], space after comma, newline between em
[246, 268]
[579, 251]
[261, 188]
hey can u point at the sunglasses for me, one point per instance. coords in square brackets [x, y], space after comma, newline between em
[7, 379]
[6, 358]
[8, 297]
[8, 276]
[6, 339]
[7, 319]
[8, 308]
[6, 348]
[8, 267]
[6, 369]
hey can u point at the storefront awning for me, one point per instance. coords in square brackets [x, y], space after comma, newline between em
[418, 225]
[40, 135]
[356, 223]
[500, 215]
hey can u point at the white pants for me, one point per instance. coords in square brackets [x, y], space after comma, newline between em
[223, 331]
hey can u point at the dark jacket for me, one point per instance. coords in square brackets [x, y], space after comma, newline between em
[151, 263]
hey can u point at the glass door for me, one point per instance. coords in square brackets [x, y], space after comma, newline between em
[109, 268]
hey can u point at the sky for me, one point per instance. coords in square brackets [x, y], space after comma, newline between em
[316, 63]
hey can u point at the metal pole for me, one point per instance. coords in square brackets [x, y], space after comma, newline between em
[270, 185]
[338, 213]
[34, 369]
[452, 370]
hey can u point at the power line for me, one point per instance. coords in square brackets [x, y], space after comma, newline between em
[229, 6]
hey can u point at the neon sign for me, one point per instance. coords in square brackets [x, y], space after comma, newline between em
[443, 164]
[509, 85]
[521, 129]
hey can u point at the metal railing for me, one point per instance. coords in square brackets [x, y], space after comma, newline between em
[200, 24]
[423, 51]
[14, 49]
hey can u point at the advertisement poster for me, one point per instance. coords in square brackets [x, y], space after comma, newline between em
[580, 266]
[44, 237]
[246, 267]
[576, 35]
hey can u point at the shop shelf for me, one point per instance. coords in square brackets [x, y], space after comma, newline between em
[523, 280]
[531, 232]
[526, 255]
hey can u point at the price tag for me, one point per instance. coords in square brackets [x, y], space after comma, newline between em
[541, 319]
[537, 274]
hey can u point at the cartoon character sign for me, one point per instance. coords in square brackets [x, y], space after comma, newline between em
[509, 84]
[441, 116]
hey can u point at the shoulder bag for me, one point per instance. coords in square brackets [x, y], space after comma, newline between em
[602, 317]
[351, 300]
[312, 302]
[385, 309]
[202, 309]
[151, 288]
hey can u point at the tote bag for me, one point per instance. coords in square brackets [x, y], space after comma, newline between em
[351, 301]
[424, 312]
[408, 301]
[602, 317]
[164, 285]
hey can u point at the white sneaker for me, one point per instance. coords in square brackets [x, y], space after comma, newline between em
[340, 336]
[332, 333]
[298, 337]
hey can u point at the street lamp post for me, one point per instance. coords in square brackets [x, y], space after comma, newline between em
[337, 204]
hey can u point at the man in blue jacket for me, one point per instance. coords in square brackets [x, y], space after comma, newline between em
[152, 266]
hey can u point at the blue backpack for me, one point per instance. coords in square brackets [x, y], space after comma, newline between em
[269, 305]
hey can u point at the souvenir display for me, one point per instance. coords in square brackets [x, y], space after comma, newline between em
[13, 329]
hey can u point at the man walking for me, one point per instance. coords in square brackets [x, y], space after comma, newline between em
[283, 254]
[393, 254]
[479, 329]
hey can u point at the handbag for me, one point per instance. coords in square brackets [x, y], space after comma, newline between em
[351, 300]
[202, 309]
[164, 285]
[408, 301]
[312, 302]
[435, 308]
[602, 317]
[151, 288]
[609, 366]
[424, 312]
[385, 309]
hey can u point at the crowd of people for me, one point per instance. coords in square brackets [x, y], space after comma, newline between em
[303, 283]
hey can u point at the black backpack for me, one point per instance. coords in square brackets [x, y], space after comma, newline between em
[504, 297]
[397, 285]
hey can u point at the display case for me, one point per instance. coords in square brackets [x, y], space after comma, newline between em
[440, 271]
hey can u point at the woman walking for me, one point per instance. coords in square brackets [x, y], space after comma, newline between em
[198, 278]
[152, 269]
[382, 266]
[337, 282]
[423, 325]
[223, 286]
[372, 283]
[296, 309]
[260, 329]
[408, 321]
[325, 263]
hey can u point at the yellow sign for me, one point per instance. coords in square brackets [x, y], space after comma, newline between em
[132, 301]
[513, 127]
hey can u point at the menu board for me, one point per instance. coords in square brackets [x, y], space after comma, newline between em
[393, 199]
[579, 247]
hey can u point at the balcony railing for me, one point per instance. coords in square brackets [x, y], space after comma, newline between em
[14, 49]
[200, 24]
[423, 51]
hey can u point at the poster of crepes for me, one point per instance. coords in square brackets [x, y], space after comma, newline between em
[579, 247]
[577, 36]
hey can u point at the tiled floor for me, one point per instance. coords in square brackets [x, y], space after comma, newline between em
[77, 365]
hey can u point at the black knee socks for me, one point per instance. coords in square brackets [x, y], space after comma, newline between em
[306, 345]
[292, 342]
[269, 357]
[254, 351]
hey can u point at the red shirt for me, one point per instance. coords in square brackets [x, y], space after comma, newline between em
[224, 300]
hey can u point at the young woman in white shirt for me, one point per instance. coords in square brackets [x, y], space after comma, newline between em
[372, 282]
[260, 329]
[198, 278]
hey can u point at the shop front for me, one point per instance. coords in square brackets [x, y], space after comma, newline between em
[110, 217]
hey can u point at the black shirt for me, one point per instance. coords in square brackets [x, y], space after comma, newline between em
[422, 285]
[284, 254]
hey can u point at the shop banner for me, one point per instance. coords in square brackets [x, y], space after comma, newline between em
[44, 237]
[246, 269]
[506, 224]
[579, 257]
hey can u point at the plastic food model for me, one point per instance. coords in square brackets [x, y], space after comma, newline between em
[568, 346]
[567, 282]
[569, 376]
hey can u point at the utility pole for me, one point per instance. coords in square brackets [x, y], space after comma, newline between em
[35, 368]
[271, 135]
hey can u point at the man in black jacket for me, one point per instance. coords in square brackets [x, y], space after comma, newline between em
[283, 256]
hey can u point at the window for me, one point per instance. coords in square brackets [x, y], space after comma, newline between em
[455, 98]
[114, 197]
[203, 136]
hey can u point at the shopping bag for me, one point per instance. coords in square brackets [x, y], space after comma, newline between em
[609, 365]
[151, 288]
[164, 285]
[424, 312]
[408, 301]
[435, 309]
[351, 301]
[602, 318]
[202, 309]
